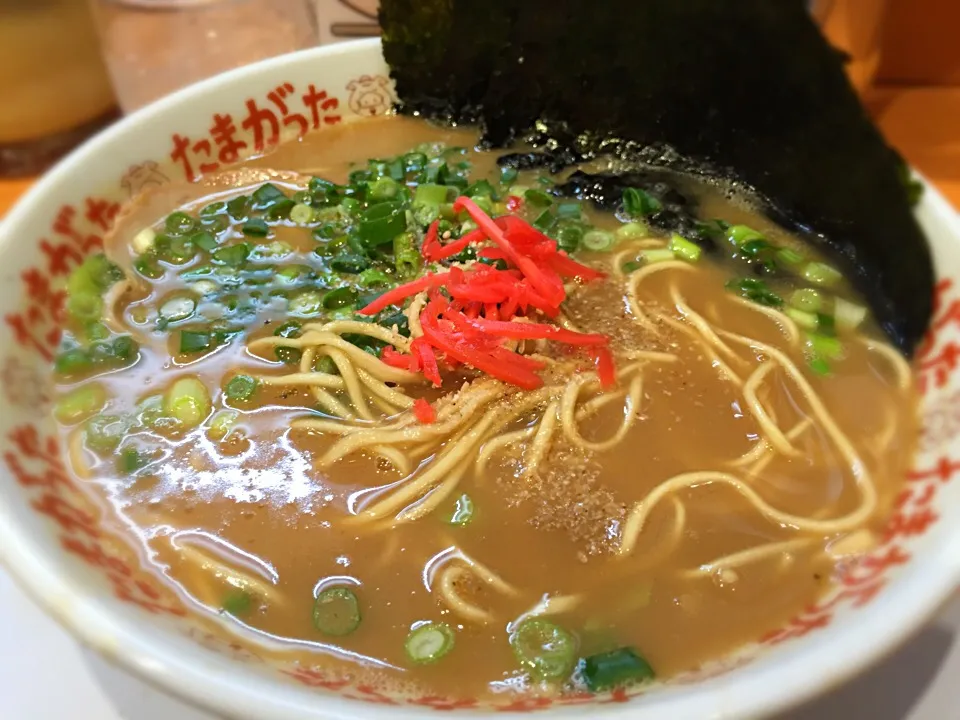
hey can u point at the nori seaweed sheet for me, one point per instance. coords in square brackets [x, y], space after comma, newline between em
[746, 89]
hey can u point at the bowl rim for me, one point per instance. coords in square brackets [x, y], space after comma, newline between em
[208, 683]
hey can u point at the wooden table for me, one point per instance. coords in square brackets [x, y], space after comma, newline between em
[923, 123]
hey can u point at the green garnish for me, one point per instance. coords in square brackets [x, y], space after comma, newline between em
[637, 203]
[240, 388]
[336, 611]
[429, 642]
[255, 227]
[544, 649]
[608, 670]
[684, 249]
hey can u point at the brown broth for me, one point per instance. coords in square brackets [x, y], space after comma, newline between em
[260, 501]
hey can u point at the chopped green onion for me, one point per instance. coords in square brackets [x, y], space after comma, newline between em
[238, 207]
[518, 190]
[204, 240]
[72, 362]
[819, 366]
[148, 268]
[383, 188]
[187, 401]
[288, 355]
[212, 209]
[755, 290]
[174, 249]
[508, 175]
[240, 387]
[178, 308]
[104, 433]
[372, 277]
[381, 223]
[826, 324]
[637, 203]
[463, 512]
[340, 298]
[80, 403]
[806, 320]
[615, 668]
[326, 364]
[222, 423]
[544, 221]
[302, 214]
[308, 302]
[430, 194]
[255, 227]
[632, 265]
[806, 299]
[538, 197]
[266, 195]
[406, 258]
[821, 274]
[237, 602]
[194, 341]
[569, 210]
[481, 188]
[349, 263]
[656, 255]
[143, 241]
[569, 238]
[754, 248]
[741, 234]
[336, 611]
[598, 240]
[179, 223]
[232, 255]
[848, 315]
[684, 249]
[414, 162]
[429, 642]
[130, 460]
[632, 231]
[281, 209]
[789, 256]
[544, 649]
[824, 346]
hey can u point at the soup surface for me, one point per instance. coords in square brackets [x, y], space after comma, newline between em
[349, 413]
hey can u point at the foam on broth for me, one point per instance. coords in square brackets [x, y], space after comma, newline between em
[260, 503]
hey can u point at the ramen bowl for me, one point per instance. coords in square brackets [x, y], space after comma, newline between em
[90, 578]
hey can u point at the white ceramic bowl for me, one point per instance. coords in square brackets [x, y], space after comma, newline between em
[91, 581]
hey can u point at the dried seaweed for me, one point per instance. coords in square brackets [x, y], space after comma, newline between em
[745, 89]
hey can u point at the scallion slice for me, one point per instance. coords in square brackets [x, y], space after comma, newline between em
[806, 299]
[429, 642]
[632, 231]
[336, 611]
[608, 670]
[684, 249]
[240, 387]
[599, 240]
[544, 649]
[656, 255]
[188, 401]
[821, 274]
[848, 315]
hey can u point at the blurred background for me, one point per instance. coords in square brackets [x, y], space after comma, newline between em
[69, 67]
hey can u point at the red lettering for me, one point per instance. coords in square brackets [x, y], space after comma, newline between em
[203, 147]
[180, 154]
[254, 122]
[321, 106]
[70, 519]
[223, 131]
[277, 97]
[101, 212]
[944, 470]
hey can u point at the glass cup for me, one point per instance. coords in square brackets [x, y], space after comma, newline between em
[55, 87]
[153, 47]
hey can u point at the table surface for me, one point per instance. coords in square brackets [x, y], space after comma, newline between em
[916, 683]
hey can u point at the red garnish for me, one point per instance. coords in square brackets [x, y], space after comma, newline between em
[513, 203]
[475, 315]
[538, 331]
[424, 411]
[603, 360]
